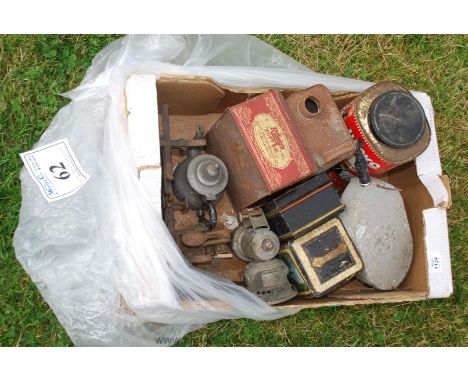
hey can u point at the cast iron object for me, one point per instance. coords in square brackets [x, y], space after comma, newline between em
[205, 239]
[321, 260]
[258, 142]
[200, 180]
[361, 166]
[320, 126]
[230, 268]
[170, 203]
[198, 256]
[253, 239]
[303, 207]
[222, 251]
[211, 253]
[269, 281]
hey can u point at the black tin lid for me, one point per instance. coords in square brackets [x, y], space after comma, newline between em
[397, 119]
[295, 192]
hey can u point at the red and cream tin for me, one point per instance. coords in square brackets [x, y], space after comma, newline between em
[258, 142]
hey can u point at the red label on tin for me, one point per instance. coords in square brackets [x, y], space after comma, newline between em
[375, 163]
[270, 136]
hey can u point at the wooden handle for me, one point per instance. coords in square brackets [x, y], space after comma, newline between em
[196, 238]
[193, 238]
[221, 234]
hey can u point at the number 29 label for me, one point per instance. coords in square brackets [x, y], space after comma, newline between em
[55, 169]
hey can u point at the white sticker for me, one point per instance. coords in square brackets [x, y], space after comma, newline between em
[55, 170]
[435, 263]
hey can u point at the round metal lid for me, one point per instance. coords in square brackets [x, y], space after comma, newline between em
[397, 119]
[207, 175]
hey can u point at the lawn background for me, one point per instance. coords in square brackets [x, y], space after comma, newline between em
[35, 69]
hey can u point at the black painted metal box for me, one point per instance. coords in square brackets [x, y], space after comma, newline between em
[303, 207]
[321, 260]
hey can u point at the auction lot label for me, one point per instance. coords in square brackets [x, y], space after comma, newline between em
[55, 169]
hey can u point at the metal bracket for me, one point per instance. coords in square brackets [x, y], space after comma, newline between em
[254, 218]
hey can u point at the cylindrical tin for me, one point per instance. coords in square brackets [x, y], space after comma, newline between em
[391, 124]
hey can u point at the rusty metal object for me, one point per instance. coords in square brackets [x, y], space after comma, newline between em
[198, 256]
[268, 280]
[392, 125]
[320, 126]
[165, 142]
[216, 258]
[206, 239]
[343, 98]
[170, 202]
[205, 248]
[222, 251]
[257, 141]
[231, 268]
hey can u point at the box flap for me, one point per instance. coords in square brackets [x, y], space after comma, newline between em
[143, 133]
[428, 163]
[437, 253]
[189, 95]
[446, 181]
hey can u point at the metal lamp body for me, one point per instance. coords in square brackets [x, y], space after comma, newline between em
[268, 280]
[199, 179]
[251, 244]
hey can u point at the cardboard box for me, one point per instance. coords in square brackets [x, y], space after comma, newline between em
[199, 101]
[140, 95]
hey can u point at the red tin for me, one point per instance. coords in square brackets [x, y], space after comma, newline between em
[391, 138]
[258, 142]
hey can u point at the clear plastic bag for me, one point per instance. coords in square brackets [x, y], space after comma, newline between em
[102, 258]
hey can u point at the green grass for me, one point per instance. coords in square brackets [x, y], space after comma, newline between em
[35, 69]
